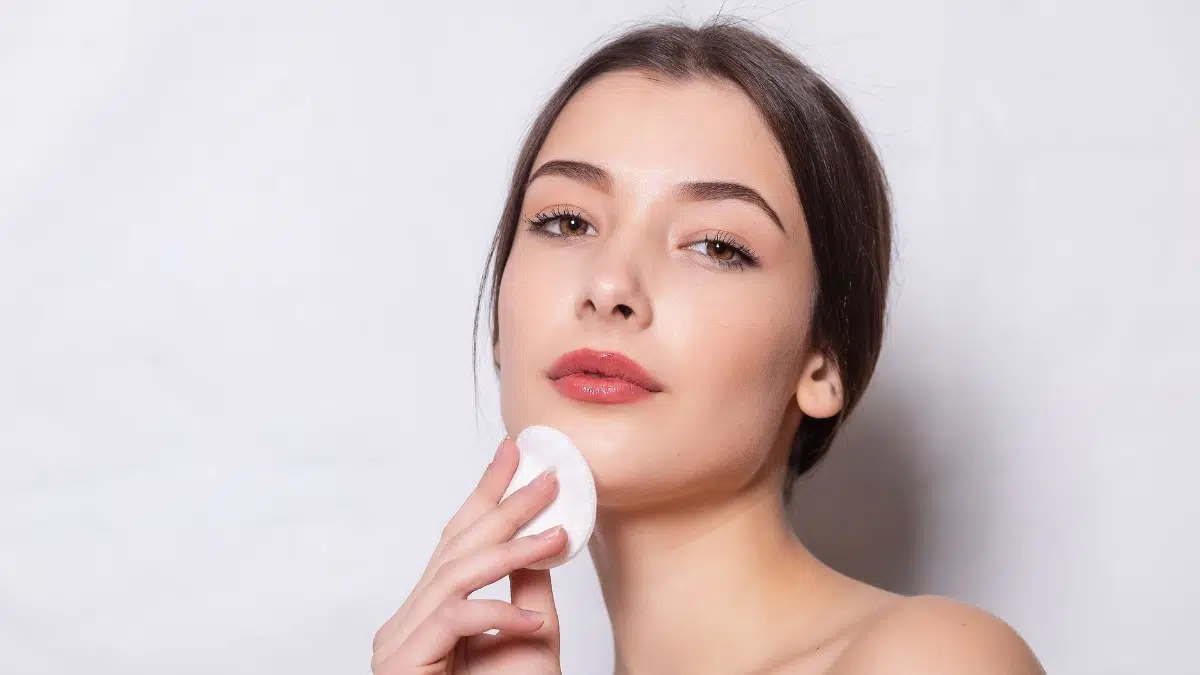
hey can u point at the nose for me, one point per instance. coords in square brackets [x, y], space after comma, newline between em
[614, 290]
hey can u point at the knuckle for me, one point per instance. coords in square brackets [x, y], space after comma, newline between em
[378, 661]
[514, 516]
[451, 573]
[449, 543]
[377, 640]
[461, 520]
[449, 612]
[451, 529]
[468, 540]
[388, 629]
[519, 551]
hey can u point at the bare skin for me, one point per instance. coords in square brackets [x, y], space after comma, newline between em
[439, 629]
[699, 568]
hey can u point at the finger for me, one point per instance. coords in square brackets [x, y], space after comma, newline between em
[462, 576]
[482, 500]
[486, 496]
[503, 521]
[531, 589]
[454, 619]
[490, 490]
[471, 572]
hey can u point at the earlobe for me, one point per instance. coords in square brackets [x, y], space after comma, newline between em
[819, 392]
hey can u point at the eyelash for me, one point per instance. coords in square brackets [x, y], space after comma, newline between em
[537, 225]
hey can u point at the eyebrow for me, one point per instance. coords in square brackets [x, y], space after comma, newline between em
[696, 191]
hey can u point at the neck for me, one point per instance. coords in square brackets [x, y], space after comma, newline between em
[704, 587]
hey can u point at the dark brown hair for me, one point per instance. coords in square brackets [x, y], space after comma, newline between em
[842, 187]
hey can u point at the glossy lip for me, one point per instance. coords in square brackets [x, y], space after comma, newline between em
[601, 377]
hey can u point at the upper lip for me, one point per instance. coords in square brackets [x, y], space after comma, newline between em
[604, 364]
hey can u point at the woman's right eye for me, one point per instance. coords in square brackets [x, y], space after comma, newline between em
[561, 224]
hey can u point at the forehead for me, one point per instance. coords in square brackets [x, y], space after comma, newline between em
[657, 131]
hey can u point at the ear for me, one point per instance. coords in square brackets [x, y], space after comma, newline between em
[819, 392]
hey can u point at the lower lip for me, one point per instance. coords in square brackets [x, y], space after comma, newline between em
[595, 389]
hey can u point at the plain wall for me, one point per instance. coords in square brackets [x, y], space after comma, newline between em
[239, 249]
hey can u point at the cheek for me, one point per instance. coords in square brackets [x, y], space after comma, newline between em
[534, 299]
[741, 358]
[536, 285]
[737, 341]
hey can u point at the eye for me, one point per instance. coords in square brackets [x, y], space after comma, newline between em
[726, 251]
[561, 222]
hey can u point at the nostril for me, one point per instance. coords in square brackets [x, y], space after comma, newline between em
[625, 310]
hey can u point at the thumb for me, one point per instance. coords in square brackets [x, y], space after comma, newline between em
[531, 589]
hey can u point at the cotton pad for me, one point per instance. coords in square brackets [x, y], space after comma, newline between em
[574, 508]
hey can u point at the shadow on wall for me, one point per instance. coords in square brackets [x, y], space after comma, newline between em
[860, 510]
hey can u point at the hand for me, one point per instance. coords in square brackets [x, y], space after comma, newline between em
[439, 630]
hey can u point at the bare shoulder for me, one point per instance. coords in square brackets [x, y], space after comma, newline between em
[931, 635]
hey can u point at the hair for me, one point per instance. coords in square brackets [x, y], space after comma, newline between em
[842, 187]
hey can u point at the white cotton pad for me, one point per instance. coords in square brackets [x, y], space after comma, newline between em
[574, 508]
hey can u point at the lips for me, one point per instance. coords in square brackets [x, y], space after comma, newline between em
[602, 377]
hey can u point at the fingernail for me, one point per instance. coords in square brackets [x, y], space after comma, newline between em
[548, 534]
[530, 614]
[546, 477]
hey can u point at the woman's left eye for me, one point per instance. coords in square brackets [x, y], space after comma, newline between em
[725, 252]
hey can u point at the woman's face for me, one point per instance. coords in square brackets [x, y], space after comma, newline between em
[649, 255]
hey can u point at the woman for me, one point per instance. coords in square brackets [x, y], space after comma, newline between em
[699, 228]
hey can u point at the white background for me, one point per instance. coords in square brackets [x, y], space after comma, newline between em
[239, 246]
